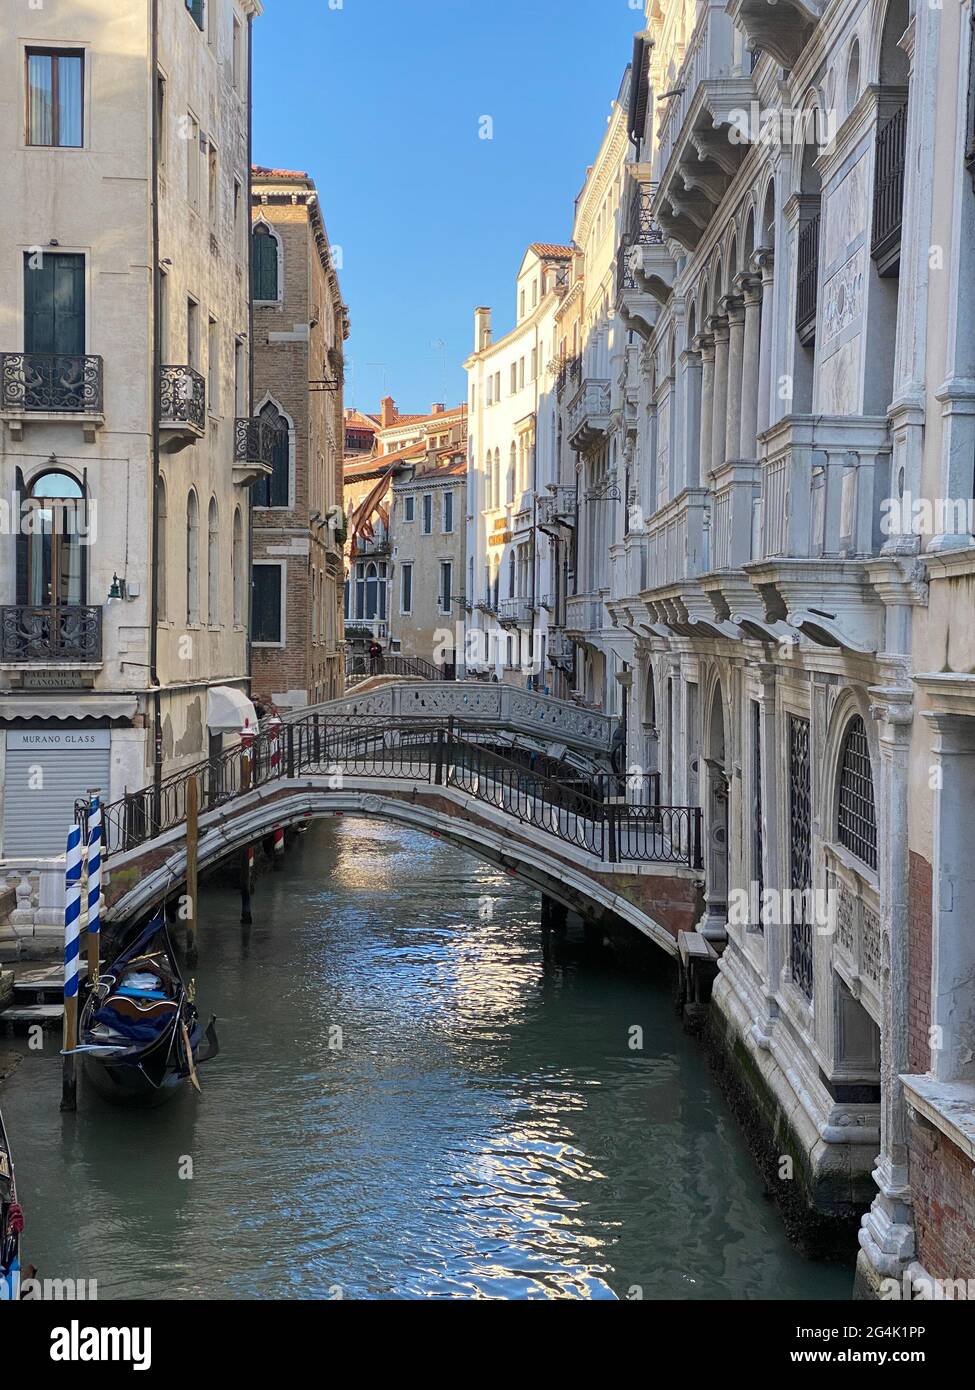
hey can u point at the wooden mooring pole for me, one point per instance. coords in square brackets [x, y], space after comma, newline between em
[192, 846]
[72, 946]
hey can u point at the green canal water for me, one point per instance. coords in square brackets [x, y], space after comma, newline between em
[412, 1101]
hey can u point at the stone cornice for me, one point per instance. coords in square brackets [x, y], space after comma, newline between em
[615, 143]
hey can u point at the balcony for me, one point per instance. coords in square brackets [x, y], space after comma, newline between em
[561, 651]
[182, 407]
[568, 374]
[589, 415]
[584, 616]
[781, 29]
[514, 612]
[824, 480]
[47, 387]
[644, 268]
[254, 441]
[69, 635]
[703, 133]
[888, 192]
[556, 509]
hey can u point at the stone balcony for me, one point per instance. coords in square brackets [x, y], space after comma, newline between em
[514, 612]
[556, 509]
[589, 415]
[585, 616]
[182, 407]
[781, 28]
[254, 441]
[561, 650]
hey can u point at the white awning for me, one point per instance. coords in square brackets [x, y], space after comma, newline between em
[228, 709]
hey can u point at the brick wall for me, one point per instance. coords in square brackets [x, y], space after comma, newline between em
[919, 962]
[944, 1204]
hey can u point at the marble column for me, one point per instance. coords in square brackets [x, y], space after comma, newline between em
[886, 1232]
[718, 325]
[734, 308]
[764, 262]
[751, 288]
[691, 422]
[704, 344]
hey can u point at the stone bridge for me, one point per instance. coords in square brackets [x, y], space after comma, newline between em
[576, 840]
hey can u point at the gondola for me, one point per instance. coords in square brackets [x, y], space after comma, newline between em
[141, 1036]
[11, 1224]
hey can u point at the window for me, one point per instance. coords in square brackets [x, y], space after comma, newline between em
[54, 303]
[448, 512]
[51, 556]
[489, 396]
[409, 508]
[521, 373]
[276, 490]
[163, 314]
[237, 55]
[446, 585]
[406, 589]
[192, 334]
[213, 367]
[534, 364]
[238, 219]
[856, 816]
[497, 386]
[427, 513]
[192, 560]
[237, 568]
[162, 607]
[212, 183]
[521, 305]
[264, 264]
[240, 377]
[193, 147]
[55, 98]
[268, 589]
[195, 8]
[514, 377]
[211, 17]
[213, 565]
[162, 133]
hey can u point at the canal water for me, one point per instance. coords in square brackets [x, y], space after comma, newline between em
[412, 1101]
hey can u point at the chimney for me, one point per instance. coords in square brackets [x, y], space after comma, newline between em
[388, 412]
[482, 328]
[437, 408]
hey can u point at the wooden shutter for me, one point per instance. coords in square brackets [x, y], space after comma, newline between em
[54, 304]
[267, 603]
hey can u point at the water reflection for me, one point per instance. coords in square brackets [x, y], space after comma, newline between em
[411, 1102]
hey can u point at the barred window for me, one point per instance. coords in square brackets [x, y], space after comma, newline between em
[856, 820]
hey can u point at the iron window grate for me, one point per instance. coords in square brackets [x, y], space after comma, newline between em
[857, 819]
[800, 852]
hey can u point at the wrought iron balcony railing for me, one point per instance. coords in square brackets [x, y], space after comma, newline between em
[183, 398]
[51, 382]
[807, 282]
[254, 441]
[568, 373]
[888, 191]
[52, 636]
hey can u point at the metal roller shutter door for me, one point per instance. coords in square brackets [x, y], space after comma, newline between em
[36, 818]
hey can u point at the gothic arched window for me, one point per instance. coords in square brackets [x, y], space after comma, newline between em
[264, 264]
[275, 491]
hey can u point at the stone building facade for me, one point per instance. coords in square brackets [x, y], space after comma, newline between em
[801, 650]
[300, 325]
[124, 410]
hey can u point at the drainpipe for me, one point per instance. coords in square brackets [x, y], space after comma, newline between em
[154, 419]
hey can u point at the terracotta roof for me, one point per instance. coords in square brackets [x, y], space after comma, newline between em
[355, 420]
[450, 414]
[378, 463]
[550, 252]
[261, 171]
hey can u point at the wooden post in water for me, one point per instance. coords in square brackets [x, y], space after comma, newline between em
[192, 844]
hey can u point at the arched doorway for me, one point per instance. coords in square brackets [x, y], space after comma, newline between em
[715, 920]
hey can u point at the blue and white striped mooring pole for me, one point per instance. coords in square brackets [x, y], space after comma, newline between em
[72, 933]
[94, 887]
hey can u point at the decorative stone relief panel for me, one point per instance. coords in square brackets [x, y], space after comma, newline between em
[843, 296]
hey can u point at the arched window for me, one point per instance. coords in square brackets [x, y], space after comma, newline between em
[372, 591]
[54, 561]
[192, 559]
[265, 277]
[162, 596]
[512, 467]
[856, 817]
[237, 565]
[275, 491]
[511, 575]
[213, 564]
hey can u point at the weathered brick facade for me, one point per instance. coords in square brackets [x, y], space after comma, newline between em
[298, 337]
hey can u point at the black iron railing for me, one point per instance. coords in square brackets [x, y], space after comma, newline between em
[568, 373]
[51, 381]
[254, 441]
[807, 282]
[888, 186]
[182, 397]
[590, 814]
[641, 230]
[50, 636]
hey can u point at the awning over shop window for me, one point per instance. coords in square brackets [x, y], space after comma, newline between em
[228, 709]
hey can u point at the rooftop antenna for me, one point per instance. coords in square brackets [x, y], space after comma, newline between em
[384, 365]
[441, 346]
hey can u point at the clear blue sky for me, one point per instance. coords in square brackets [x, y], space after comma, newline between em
[379, 101]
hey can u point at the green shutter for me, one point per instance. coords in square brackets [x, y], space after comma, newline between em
[54, 303]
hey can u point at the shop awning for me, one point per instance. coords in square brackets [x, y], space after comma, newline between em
[228, 709]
